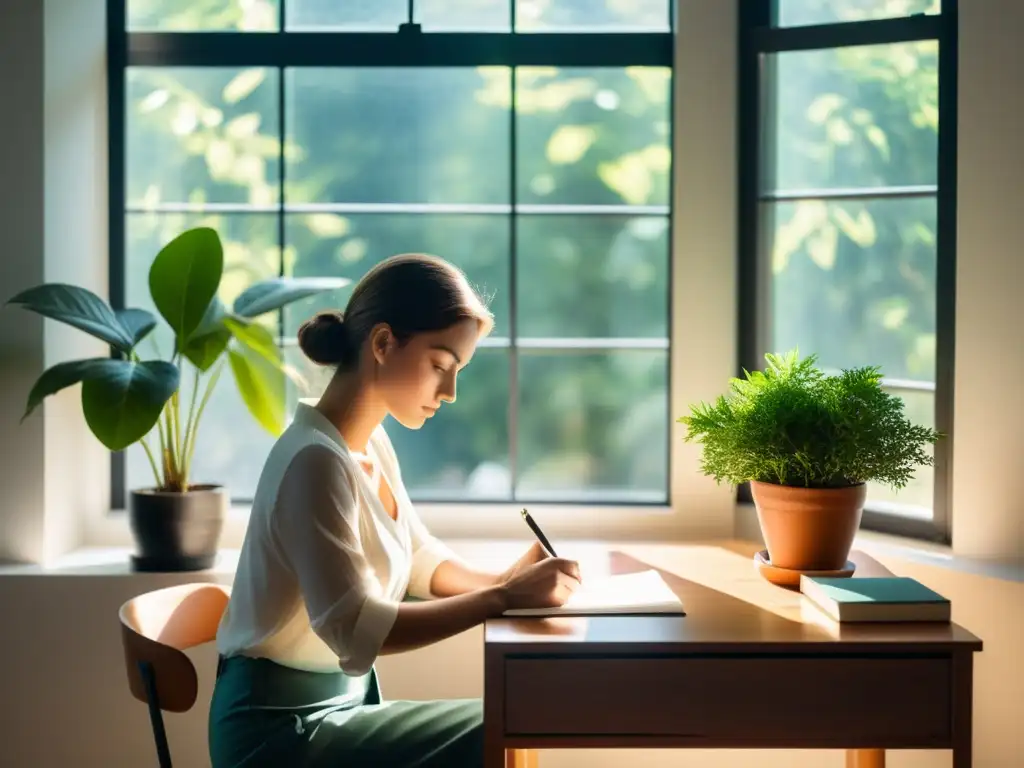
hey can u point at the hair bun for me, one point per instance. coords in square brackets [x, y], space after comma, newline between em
[323, 338]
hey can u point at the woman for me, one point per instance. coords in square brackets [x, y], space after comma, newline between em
[334, 545]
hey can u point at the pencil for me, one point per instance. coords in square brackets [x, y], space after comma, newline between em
[538, 533]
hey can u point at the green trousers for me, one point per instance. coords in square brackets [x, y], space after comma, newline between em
[265, 714]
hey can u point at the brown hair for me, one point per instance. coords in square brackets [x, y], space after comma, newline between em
[412, 293]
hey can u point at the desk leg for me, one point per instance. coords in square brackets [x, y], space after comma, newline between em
[495, 755]
[963, 705]
[865, 758]
[521, 758]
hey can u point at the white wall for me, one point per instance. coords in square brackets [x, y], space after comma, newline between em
[53, 166]
[704, 320]
[988, 444]
[21, 266]
[75, 251]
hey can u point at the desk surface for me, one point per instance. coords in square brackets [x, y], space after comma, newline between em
[727, 604]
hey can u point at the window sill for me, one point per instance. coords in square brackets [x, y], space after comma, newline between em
[938, 555]
[99, 561]
[115, 561]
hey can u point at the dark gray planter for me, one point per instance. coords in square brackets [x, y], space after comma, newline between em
[177, 531]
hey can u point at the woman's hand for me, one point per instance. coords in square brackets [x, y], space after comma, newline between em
[453, 577]
[545, 584]
[533, 555]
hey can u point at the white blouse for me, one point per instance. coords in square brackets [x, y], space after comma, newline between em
[323, 566]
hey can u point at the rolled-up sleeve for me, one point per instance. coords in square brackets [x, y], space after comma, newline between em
[316, 525]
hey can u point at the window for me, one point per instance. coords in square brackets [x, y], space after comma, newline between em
[528, 141]
[848, 207]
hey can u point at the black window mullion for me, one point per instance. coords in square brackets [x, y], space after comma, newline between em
[843, 34]
[282, 129]
[513, 281]
[754, 15]
[946, 233]
[117, 45]
[401, 49]
[282, 132]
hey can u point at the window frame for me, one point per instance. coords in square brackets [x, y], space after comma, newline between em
[759, 38]
[407, 47]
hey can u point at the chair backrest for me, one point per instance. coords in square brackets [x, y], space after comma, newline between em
[157, 626]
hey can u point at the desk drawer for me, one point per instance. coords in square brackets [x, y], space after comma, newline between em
[815, 698]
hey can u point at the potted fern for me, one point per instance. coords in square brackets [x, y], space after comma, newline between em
[808, 443]
[128, 399]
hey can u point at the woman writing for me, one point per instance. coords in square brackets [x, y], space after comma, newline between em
[334, 545]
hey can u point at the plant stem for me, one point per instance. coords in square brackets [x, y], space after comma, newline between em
[178, 439]
[189, 438]
[210, 384]
[152, 461]
[172, 416]
[164, 463]
[172, 442]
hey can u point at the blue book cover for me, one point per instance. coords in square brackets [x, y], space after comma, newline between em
[896, 598]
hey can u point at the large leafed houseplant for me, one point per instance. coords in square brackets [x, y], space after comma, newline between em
[129, 397]
[808, 443]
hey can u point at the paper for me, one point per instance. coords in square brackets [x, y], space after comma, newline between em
[644, 592]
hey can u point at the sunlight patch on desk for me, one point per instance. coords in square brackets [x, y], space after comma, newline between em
[722, 568]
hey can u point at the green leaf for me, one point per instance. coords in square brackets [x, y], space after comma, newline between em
[258, 340]
[64, 375]
[268, 295]
[123, 404]
[184, 279]
[210, 338]
[262, 387]
[138, 323]
[244, 83]
[203, 351]
[254, 337]
[877, 137]
[77, 307]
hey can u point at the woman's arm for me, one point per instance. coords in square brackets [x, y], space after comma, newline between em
[548, 583]
[420, 624]
[454, 577]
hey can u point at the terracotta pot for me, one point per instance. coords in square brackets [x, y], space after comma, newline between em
[808, 529]
[177, 531]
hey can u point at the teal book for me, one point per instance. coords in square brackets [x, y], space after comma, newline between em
[893, 598]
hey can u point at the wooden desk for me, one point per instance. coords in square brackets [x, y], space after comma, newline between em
[751, 665]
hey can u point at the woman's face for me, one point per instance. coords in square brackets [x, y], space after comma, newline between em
[414, 378]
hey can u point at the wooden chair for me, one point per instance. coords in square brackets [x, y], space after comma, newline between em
[155, 628]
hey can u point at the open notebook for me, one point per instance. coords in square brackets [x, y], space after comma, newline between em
[632, 593]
